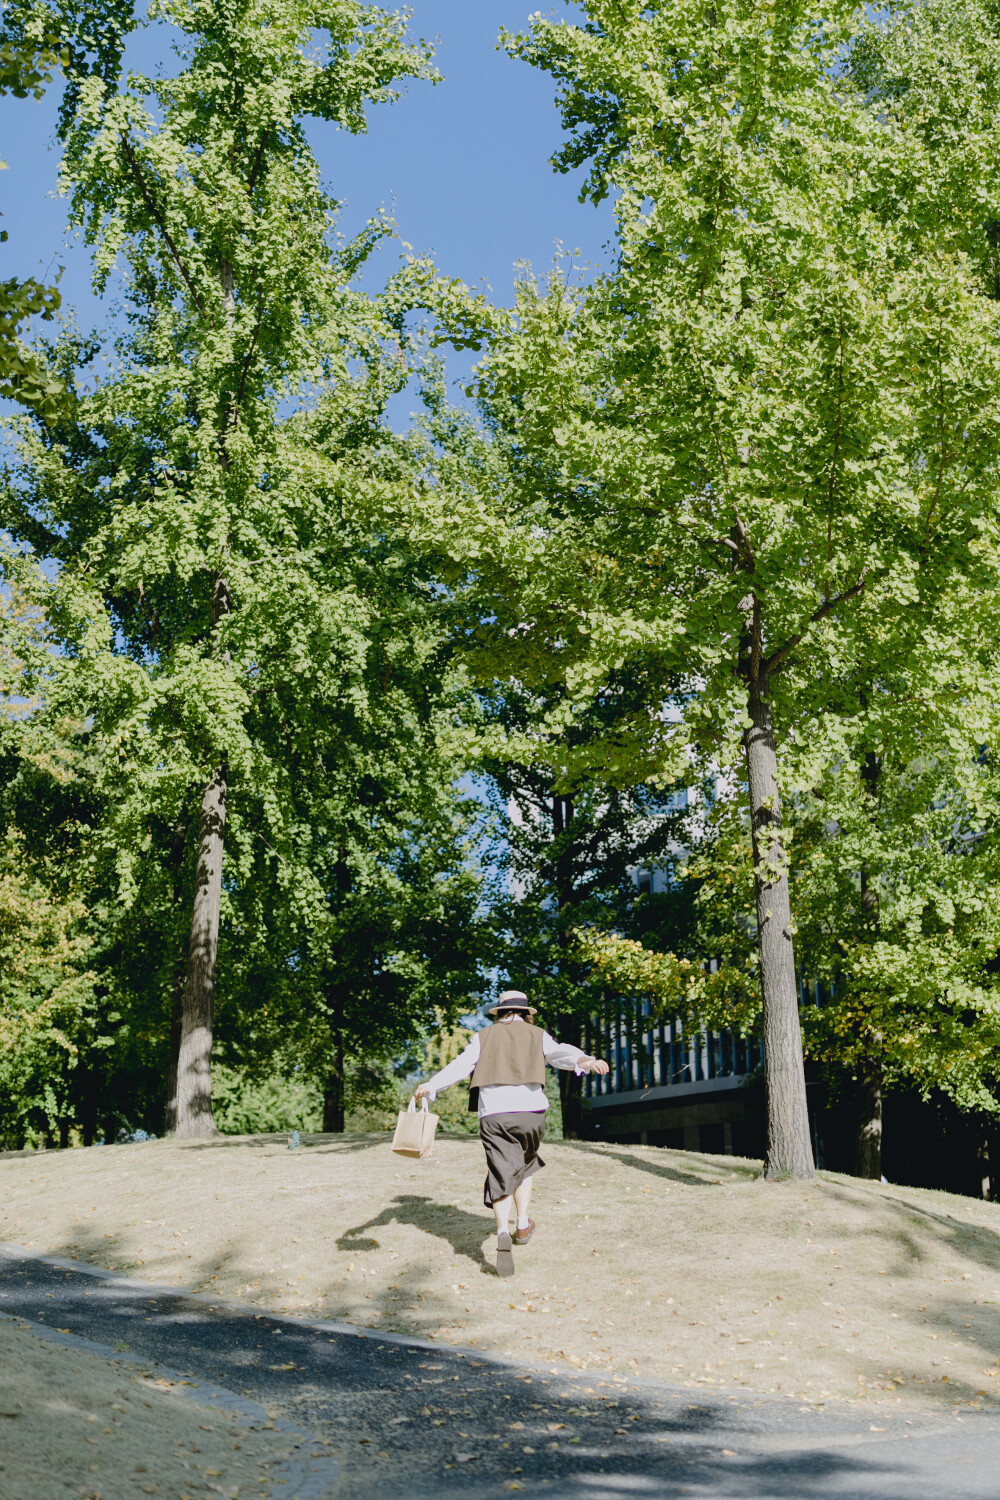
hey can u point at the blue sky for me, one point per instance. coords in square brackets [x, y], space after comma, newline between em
[462, 165]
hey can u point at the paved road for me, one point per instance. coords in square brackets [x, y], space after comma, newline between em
[415, 1421]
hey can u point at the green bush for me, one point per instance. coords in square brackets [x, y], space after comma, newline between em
[248, 1106]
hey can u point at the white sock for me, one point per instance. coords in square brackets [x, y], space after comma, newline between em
[523, 1223]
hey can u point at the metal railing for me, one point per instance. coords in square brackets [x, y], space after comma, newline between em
[645, 1053]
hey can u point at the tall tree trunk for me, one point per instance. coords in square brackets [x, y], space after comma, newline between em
[570, 1085]
[178, 854]
[868, 1095]
[789, 1147]
[194, 1061]
[983, 1160]
[333, 1089]
[192, 1091]
[568, 1024]
[88, 1105]
[868, 1136]
[176, 1027]
[194, 1054]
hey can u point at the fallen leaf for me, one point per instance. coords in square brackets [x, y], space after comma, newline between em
[465, 1458]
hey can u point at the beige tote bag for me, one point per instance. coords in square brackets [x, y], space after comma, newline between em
[415, 1130]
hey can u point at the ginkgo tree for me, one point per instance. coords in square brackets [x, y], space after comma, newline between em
[761, 453]
[206, 605]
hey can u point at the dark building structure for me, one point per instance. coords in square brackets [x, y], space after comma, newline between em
[669, 1088]
[705, 1092]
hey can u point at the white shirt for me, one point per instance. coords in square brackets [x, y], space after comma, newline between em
[508, 1098]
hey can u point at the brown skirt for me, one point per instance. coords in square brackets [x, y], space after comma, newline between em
[511, 1144]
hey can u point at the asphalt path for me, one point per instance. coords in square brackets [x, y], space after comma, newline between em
[411, 1419]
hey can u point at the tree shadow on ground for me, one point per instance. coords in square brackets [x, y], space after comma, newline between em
[975, 1242]
[660, 1168]
[463, 1231]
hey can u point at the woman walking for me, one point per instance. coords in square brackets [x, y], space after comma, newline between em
[506, 1063]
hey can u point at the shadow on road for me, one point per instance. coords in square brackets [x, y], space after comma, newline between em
[418, 1422]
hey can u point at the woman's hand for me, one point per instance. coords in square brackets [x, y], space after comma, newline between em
[597, 1065]
[422, 1091]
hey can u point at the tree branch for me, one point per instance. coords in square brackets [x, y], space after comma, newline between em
[248, 358]
[777, 657]
[717, 541]
[147, 198]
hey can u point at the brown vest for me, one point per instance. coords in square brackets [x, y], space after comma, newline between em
[509, 1052]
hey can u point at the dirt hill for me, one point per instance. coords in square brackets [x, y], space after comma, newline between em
[679, 1267]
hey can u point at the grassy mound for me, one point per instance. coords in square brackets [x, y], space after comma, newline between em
[680, 1267]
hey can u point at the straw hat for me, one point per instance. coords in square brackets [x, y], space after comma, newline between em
[512, 1000]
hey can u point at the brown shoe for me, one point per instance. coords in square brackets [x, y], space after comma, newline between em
[505, 1256]
[522, 1236]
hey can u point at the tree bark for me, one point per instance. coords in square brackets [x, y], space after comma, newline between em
[192, 1088]
[194, 1054]
[568, 1024]
[868, 1096]
[176, 1027]
[868, 1137]
[333, 1090]
[88, 1106]
[570, 1085]
[983, 1160]
[177, 861]
[194, 1061]
[789, 1147]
